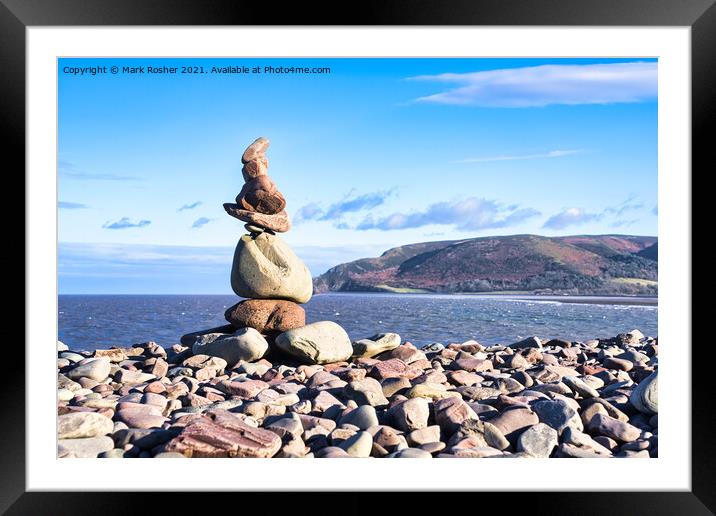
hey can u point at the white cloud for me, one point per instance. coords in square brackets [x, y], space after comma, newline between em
[546, 85]
[571, 217]
[465, 214]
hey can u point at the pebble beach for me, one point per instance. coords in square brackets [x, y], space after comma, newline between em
[533, 398]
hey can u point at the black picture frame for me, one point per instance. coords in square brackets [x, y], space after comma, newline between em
[700, 15]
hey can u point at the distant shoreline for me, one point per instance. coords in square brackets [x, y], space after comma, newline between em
[585, 299]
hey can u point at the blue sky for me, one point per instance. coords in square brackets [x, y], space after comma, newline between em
[378, 153]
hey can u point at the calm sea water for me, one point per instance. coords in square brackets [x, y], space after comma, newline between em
[93, 322]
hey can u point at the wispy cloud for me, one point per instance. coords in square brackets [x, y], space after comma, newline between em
[630, 204]
[623, 223]
[466, 214]
[190, 206]
[200, 222]
[351, 203]
[64, 205]
[69, 170]
[125, 223]
[579, 216]
[539, 86]
[308, 212]
[514, 157]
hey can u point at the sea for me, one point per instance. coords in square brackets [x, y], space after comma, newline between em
[87, 322]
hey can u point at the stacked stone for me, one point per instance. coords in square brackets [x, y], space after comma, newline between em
[265, 270]
[273, 279]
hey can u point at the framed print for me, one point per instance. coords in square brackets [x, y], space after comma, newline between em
[433, 234]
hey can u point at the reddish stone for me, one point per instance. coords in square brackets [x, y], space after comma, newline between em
[106, 411]
[366, 362]
[277, 222]
[255, 168]
[260, 194]
[155, 387]
[513, 421]
[350, 374]
[533, 355]
[245, 389]
[176, 390]
[256, 150]
[407, 353]
[472, 364]
[139, 419]
[450, 414]
[422, 364]
[114, 354]
[394, 368]
[590, 369]
[266, 315]
[320, 378]
[219, 433]
[271, 376]
[461, 377]
[450, 354]
[467, 347]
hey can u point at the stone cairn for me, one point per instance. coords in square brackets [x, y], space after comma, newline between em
[274, 282]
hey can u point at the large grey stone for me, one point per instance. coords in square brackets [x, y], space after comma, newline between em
[363, 417]
[538, 440]
[557, 414]
[76, 425]
[265, 267]
[245, 344]
[94, 368]
[580, 387]
[321, 342]
[359, 445]
[88, 447]
[375, 345]
[645, 396]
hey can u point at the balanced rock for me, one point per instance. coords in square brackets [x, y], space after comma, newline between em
[266, 315]
[266, 268]
[277, 222]
[256, 150]
[261, 195]
[245, 344]
[321, 342]
[255, 168]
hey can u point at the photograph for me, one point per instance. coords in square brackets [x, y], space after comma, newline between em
[357, 257]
